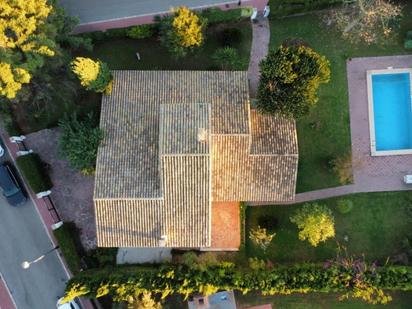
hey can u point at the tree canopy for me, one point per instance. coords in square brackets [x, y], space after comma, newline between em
[315, 222]
[368, 21]
[290, 78]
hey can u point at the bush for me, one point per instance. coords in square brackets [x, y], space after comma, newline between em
[216, 15]
[182, 32]
[408, 44]
[8, 121]
[93, 75]
[342, 166]
[227, 59]
[65, 238]
[140, 32]
[34, 171]
[289, 81]
[229, 37]
[344, 206]
[101, 257]
[261, 237]
[79, 141]
[122, 282]
[315, 222]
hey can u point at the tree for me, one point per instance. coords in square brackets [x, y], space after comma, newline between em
[368, 21]
[79, 141]
[182, 32]
[261, 237]
[93, 75]
[145, 301]
[289, 80]
[226, 58]
[315, 222]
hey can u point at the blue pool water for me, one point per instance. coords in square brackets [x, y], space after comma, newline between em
[392, 111]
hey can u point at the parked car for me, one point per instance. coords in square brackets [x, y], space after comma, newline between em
[69, 305]
[12, 191]
[1, 151]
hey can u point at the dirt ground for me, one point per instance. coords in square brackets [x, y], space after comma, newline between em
[72, 192]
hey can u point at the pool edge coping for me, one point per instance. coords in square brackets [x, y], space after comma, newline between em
[371, 114]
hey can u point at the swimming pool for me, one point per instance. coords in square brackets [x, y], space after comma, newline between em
[390, 114]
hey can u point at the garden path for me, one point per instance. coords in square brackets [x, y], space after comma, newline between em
[259, 50]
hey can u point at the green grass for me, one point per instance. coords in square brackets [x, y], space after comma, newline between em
[401, 300]
[375, 227]
[67, 243]
[34, 172]
[325, 134]
[120, 53]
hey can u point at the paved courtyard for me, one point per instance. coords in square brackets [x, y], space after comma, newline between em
[71, 192]
[383, 173]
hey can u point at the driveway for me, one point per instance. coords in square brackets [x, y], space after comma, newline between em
[23, 237]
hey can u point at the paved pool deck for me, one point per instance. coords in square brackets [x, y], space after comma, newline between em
[372, 173]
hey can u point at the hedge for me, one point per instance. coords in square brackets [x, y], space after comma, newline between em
[123, 282]
[34, 172]
[216, 15]
[64, 236]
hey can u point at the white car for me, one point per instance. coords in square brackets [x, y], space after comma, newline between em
[1, 151]
[69, 305]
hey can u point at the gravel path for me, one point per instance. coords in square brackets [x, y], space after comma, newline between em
[259, 50]
[72, 192]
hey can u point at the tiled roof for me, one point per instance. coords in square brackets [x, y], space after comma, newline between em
[173, 142]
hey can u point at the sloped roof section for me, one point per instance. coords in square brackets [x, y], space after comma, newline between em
[174, 141]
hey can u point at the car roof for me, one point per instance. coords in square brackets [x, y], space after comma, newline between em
[6, 182]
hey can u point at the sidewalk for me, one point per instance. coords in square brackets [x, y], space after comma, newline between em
[6, 300]
[44, 214]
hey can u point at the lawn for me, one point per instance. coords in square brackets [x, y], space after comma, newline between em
[401, 300]
[325, 134]
[120, 53]
[375, 227]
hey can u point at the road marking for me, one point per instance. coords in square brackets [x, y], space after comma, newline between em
[6, 299]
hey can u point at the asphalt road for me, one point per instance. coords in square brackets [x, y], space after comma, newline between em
[90, 11]
[23, 237]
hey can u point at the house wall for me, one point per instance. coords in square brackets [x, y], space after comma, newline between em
[148, 19]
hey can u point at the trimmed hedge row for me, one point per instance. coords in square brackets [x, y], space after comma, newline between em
[34, 172]
[121, 283]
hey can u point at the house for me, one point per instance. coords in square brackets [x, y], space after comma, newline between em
[180, 145]
[219, 300]
[100, 15]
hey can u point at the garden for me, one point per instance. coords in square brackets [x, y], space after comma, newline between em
[324, 134]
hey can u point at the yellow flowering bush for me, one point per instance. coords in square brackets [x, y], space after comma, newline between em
[12, 79]
[93, 75]
[183, 31]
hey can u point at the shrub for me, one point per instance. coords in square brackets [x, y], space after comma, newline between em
[67, 244]
[342, 166]
[315, 222]
[182, 32]
[261, 237]
[79, 141]
[344, 206]
[289, 80]
[8, 121]
[140, 32]
[229, 37]
[34, 172]
[226, 58]
[93, 75]
[256, 264]
[101, 257]
[408, 44]
[200, 261]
